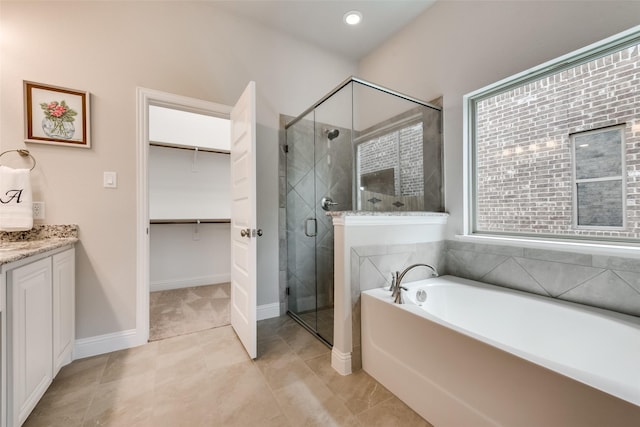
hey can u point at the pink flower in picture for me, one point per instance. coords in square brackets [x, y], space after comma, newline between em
[58, 119]
[58, 110]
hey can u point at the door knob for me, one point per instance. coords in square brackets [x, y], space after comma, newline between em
[259, 232]
[245, 232]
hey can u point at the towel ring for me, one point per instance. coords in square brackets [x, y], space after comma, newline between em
[23, 153]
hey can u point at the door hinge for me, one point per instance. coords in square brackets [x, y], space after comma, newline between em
[287, 291]
[286, 148]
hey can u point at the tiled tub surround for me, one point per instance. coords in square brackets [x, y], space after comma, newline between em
[418, 237]
[16, 245]
[608, 282]
[372, 266]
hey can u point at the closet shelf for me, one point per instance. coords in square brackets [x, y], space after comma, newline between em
[184, 147]
[191, 221]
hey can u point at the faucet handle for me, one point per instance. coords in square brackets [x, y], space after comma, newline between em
[399, 299]
[394, 278]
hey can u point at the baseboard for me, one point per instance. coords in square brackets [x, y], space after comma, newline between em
[341, 362]
[101, 344]
[267, 311]
[188, 282]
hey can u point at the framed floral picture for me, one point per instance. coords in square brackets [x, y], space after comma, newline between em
[56, 115]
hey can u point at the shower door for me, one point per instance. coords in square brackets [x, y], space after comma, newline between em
[302, 223]
[319, 179]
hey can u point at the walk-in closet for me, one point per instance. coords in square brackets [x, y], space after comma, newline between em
[189, 210]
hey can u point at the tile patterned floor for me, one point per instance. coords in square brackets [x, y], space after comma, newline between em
[320, 320]
[183, 311]
[206, 379]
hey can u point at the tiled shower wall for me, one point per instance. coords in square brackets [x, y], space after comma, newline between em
[316, 168]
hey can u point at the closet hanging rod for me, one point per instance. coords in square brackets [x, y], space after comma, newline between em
[191, 221]
[181, 147]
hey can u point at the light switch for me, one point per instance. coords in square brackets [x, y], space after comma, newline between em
[110, 180]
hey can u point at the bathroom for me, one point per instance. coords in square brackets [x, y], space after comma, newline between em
[450, 50]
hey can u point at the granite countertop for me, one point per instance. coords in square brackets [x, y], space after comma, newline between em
[17, 245]
[387, 213]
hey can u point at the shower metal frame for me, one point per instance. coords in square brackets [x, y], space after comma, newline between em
[302, 115]
[362, 82]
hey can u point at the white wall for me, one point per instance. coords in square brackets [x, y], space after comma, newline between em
[181, 257]
[184, 128]
[184, 184]
[109, 48]
[456, 47]
[188, 185]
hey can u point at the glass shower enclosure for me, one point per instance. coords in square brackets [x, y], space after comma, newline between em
[362, 147]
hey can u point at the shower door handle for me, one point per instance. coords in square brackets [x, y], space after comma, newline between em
[327, 202]
[310, 227]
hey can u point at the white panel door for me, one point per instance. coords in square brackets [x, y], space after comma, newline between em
[243, 219]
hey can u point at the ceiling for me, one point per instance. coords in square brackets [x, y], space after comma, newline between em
[321, 21]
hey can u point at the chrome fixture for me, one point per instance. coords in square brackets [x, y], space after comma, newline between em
[399, 299]
[421, 295]
[25, 153]
[326, 203]
[247, 232]
[332, 133]
[396, 289]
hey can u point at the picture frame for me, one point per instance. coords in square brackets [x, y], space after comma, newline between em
[57, 115]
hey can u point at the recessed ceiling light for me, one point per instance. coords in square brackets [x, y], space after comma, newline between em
[353, 17]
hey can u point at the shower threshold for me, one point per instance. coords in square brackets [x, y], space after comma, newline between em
[309, 329]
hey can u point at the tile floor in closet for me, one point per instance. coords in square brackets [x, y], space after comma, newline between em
[206, 379]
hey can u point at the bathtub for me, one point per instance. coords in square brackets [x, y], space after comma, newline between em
[475, 355]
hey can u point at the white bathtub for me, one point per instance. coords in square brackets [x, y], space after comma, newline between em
[474, 354]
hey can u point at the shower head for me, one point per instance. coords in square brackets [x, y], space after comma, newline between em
[332, 133]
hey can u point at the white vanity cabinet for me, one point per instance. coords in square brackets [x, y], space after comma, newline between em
[40, 327]
[31, 336]
[64, 307]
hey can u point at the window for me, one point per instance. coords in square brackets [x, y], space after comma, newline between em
[599, 182]
[555, 151]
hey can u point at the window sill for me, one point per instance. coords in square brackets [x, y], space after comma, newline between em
[630, 250]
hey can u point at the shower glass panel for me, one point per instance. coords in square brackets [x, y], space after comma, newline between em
[398, 152]
[361, 147]
[333, 184]
[301, 222]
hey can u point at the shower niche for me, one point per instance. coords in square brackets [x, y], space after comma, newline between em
[364, 148]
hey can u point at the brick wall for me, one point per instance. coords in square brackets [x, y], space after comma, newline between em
[524, 156]
[411, 161]
[382, 153]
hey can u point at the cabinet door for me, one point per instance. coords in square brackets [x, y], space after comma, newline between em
[31, 370]
[64, 308]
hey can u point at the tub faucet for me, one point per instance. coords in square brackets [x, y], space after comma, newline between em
[396, 288]
[394, 280]
[399, 299]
